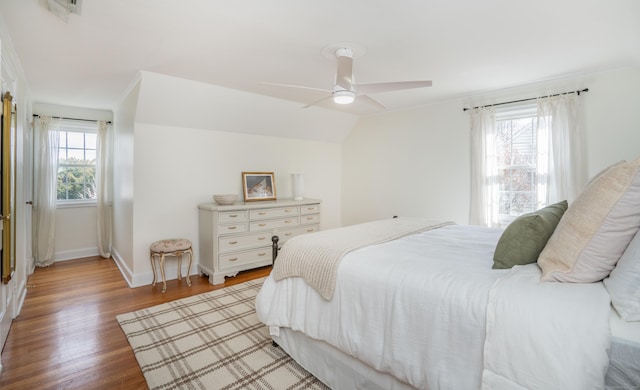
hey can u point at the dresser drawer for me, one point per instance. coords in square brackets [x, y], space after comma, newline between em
[310, 209]
[286, 234]
[232, 216]
[233, 243]
[273, 224]
[309, 219]
[238, 258]
[278, 212]
[232, 228]
[234, 238]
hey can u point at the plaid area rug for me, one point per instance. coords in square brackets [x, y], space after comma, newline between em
[211, 341]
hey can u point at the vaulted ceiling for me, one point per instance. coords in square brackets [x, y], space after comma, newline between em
[464, 47]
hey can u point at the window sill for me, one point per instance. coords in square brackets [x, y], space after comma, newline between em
[76, 204]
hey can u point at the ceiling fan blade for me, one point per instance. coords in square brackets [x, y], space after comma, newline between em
[295, 86]
[371, 100]
[366, 89]
[317, 101]
[344, 73]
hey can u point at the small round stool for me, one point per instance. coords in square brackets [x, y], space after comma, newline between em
[173, 247]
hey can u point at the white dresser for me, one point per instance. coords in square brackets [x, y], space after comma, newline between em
[238, 237]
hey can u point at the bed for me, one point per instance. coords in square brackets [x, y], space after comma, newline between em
[423, 307]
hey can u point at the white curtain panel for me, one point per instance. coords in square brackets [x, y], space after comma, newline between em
[46, 172]
[560, 130]
[103, 196]
[484, 180]
[543, 165]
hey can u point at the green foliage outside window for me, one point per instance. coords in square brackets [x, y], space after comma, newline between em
[76, 166]
[77, 180]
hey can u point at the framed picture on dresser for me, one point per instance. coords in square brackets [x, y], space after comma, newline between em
[258, 186]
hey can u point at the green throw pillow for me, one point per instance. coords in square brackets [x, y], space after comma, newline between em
[523, 240]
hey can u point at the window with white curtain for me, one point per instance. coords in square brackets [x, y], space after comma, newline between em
[517, 162]
[524, 157]
[77, 162]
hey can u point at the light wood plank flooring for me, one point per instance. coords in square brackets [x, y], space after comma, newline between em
[67, 337]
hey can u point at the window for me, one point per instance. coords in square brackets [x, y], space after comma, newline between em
[525, 157]
[517, 162]
[77, 162]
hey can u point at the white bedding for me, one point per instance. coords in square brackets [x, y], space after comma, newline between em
[416, 308]
[545, 335]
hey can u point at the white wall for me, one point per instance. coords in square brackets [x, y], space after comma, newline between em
[123, 234]
[612, 116]
[76, 234]
[56, 110]
[407, 164]
[178, 142]
[174, 101]
[178, 168]
[416, 162]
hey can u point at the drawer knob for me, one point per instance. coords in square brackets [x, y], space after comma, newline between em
[287, 211]
[309, 218]
[233, 242]
[262, 224]
[261, 238]
[233, 215]
[287, 221]
[262, 254]
[262, 213]
[309, 230]
[288, 234]
[233, 259]
[231, 227]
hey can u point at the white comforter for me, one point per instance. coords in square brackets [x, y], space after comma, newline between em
[420, 308]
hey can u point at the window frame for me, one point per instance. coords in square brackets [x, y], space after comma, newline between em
[528, 111]
[76, 126]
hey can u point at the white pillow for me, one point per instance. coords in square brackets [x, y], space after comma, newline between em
[596, 228]
[624, 282]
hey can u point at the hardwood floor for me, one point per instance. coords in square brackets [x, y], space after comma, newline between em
[67, 337]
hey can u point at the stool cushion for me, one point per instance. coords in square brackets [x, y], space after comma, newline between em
[171, 245]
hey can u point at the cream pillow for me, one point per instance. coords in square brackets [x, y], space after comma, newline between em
[596, 228]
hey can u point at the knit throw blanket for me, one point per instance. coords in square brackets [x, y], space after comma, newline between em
[316, 256]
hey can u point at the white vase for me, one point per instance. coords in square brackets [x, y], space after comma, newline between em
[297, 181]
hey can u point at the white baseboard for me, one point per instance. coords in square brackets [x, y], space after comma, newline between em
[124, 270]
[146, 278]
[21, 294]
[76, 254]
[31, 267]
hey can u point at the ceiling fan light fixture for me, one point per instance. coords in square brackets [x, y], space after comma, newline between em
[343, 89]
[344, 97]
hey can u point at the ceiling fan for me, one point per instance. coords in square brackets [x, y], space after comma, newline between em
[344, 90]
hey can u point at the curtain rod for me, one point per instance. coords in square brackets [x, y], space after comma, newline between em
[73, 119]
[526, 100]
